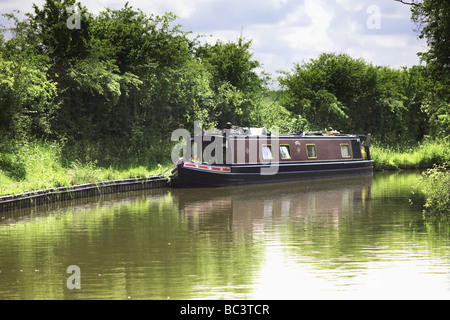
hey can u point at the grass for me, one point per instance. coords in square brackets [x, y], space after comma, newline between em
[38, 166]
[423, 156]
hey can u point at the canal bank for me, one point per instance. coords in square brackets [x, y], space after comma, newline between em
[48, 196]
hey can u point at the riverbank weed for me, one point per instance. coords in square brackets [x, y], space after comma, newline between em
[38, 166]
[435, 185]
[422, 156]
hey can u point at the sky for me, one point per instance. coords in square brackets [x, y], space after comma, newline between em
[286, 32]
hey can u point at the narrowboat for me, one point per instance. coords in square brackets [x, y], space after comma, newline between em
[240, 156]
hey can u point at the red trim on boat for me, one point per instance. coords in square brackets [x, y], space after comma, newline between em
[204, 167]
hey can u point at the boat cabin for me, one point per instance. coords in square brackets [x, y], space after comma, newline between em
[240, 146]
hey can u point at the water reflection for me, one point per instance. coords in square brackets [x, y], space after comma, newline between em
[335, 238]
[249, 208]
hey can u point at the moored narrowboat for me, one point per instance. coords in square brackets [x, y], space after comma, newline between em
[240, 156]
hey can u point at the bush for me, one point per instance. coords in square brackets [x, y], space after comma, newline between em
[435, 185]
[12, 166]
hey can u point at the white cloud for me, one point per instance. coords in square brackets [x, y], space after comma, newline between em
[351, 5]
[313, 37]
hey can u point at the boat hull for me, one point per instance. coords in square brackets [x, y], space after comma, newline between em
[189, 174]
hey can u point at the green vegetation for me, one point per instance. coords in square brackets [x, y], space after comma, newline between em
[433, 19]
[101, 101]
[339, 92]
[38, 166]
[423, 156]
[435, 184]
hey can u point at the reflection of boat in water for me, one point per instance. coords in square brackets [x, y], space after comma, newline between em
[240, 156]
[244, 204]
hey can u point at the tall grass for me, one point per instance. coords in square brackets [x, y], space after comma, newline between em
[422, 156]
[38, 165]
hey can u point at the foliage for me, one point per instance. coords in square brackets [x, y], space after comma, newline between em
[27, 98]
[421, 156]
[273, 116]
[231, 62]
[108, 95]
[437, 110]
[433, 20]
[37, 165]
[234, 79]
[115, 88]
[435, 184]
[339, 92]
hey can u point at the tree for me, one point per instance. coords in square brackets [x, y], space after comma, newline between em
[117, 81]
[321, 90]
[232, 63]
[433, 20]
[433, 17]
[234, 79]
[54, 38]
[27, 96]
[339, 92]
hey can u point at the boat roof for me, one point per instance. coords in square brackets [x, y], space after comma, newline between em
[235, 131]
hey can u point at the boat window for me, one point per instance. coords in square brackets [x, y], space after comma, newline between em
[267, 152]
[311, 151]
[285, 152]
[345, 151]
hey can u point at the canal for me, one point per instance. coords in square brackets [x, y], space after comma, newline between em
[351, 238]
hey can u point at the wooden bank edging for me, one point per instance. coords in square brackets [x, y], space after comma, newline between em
[35, 198]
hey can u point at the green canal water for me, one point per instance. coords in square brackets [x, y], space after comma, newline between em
[357, 238]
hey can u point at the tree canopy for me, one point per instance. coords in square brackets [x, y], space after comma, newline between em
[120, 83]
[116, 85]
[433, 20]
[336, 91]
